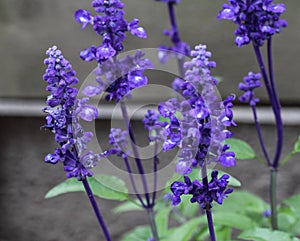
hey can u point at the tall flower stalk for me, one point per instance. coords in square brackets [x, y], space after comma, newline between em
[116, 78]
[258, 21]
[201, 132]
[63, 120]
[207, 123]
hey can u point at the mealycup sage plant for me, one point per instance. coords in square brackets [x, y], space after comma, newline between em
[195, 123]
[257, 22]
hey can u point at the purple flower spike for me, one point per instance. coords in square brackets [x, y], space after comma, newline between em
[111, 25]
[84, 17]
[251, 82]
[119, 141]
[198, 124]
[62, 117]
[257, 20]
[121, 76]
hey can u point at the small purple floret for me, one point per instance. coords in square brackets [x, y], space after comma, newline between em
[216, 190]
[84, 17]
[251, 82]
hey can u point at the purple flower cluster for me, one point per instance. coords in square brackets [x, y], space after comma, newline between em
[251, 82]
[121, 76]
[111, 25]
[216, 190]
[154, 125]
[257, 20]
[119, 140]
[179, 50]
[198, 121]
[61, 118]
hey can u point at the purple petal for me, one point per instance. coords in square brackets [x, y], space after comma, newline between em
[88, 54]
[91, 90]
[136, 30]
[183, 167]
[83, 17]
[88, 113]
[105, 51]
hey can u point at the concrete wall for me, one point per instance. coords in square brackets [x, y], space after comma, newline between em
[29, 27]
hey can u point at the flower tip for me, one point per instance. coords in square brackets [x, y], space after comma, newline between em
[84, 17]
[139, 32]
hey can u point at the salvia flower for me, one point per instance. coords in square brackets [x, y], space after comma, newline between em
[62, 120]
[205, 195]
[179, 50]
[198, 121]
[111, 25]
[257, 20]
[154, 125]
[251, 82]
[119, 141]
[121, 77]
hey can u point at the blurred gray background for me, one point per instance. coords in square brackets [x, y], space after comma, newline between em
[29, 27]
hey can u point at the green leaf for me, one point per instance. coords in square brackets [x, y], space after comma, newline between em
[223, 233]
[241, 149]
[108, 187]
[202, 233]
[233, 220]
[187, 230]
[294, 203]
[112, 182]
[245, 203]
[162, 221]
[264, 234]
[297, 146]
[292, 153]
[287, 219]
[127, 207]
[296, 228]
[140, 233]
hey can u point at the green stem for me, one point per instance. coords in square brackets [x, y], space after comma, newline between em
[152, 223]
[273, 197]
